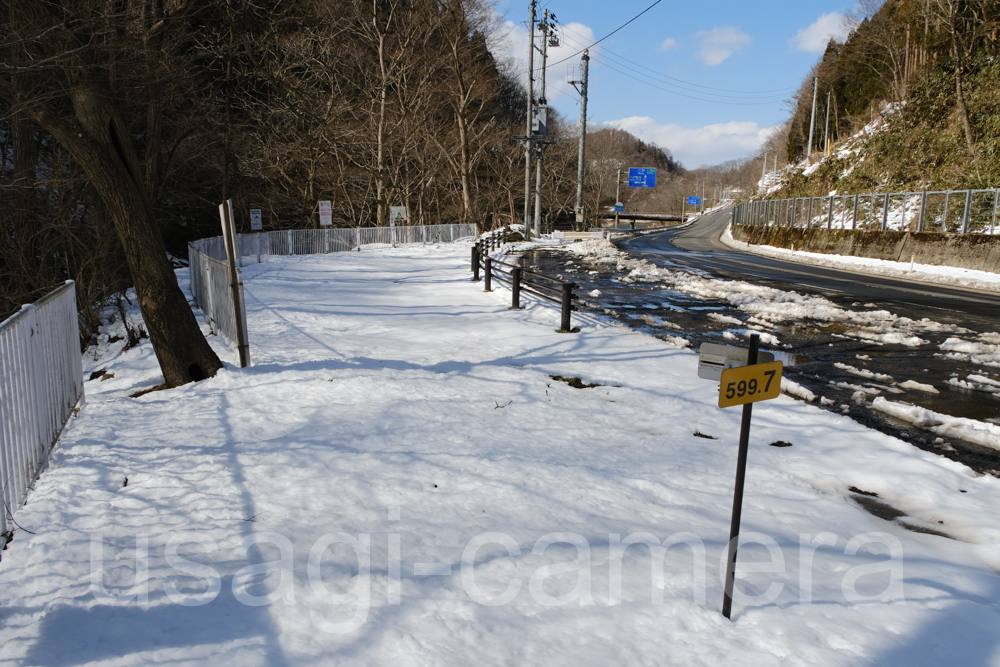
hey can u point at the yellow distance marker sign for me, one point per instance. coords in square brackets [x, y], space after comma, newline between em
[749, 384]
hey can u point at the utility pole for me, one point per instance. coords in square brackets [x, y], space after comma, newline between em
[826, 133]
[618, 186]
[812, 120]
[529, 146]
[544, 28]
[581, 217]
[763, 171]
[775, 164]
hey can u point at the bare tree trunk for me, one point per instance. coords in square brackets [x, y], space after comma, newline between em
[963, 109]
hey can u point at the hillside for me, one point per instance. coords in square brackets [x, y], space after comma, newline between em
[914, 105]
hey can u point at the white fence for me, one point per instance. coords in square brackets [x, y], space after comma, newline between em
[210, 269]
[951, 211]
[41, 383]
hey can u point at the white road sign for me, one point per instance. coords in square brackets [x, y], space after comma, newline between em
[397, 215]
[325, 213]
[256, 220]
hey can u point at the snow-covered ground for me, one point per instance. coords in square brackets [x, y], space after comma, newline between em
[926, 273]
[400, 480]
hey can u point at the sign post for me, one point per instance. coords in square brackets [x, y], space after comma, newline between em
[740, 384]
[256, 220]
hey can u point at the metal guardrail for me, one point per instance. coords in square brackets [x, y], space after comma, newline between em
[209, 266]
[520, 279]
[41, 384]
[947, 211]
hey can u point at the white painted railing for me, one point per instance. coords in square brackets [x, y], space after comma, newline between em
[41, 383]
[209, 267]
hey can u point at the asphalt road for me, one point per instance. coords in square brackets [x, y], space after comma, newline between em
[699, 246]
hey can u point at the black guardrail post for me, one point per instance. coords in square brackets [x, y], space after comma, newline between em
[515, 288]
[475, 259]
[567, 307]
[488, 273]
[475, 265]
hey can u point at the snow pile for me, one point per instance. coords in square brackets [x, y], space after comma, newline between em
[981, 433]
[927, 273]
[413, 474]
[767, 305]
[983, 353]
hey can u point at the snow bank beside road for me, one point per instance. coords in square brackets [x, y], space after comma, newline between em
[401, 480]
[927, 273]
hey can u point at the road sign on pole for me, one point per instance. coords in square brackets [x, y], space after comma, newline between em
[694, 201]
[256, 220]
[641, 177]
[397, 215]
[619, 207]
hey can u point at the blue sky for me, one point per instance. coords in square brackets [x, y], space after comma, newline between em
[740, 60]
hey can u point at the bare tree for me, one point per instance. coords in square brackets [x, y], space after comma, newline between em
[60, 73]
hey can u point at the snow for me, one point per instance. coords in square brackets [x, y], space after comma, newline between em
[981, 433]
[926, 273]
[400, 480]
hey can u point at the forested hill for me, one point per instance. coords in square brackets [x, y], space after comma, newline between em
[924, 79]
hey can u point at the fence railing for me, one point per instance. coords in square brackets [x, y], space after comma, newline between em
[209, 267]
[950, 211]
[41, 383]
[520, 279]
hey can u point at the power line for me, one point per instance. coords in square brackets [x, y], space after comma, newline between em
[609, 34]
[761, 93]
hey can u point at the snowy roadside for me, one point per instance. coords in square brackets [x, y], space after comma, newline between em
[400, 479]
[923, 273]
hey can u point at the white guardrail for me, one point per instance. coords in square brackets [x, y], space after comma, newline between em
[949, 211]
[41, 384]
[209, 266]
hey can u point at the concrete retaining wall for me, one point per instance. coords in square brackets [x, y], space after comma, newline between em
[967, 251]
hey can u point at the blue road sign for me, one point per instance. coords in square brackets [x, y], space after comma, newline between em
[619, 207]
[694, 201]
[641, 177]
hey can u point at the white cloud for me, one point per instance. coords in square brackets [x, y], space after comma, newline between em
[698, 146]
[718, 44]
[670, 44]
[814, 38]
[512, 45]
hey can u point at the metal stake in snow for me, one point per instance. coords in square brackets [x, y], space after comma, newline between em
[740, 384]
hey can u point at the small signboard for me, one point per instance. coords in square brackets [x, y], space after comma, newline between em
[256, 220]
[641, 177]
[694, 201]
[325, 214]
[749, 384]
[397, 215]
[713, 359]
[540, 120]
[619, 207]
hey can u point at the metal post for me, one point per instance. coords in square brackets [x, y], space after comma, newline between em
[923, 211]
[968, 211]
[944, 220]
[475, 263]
[826, 132]
[993, 220]
[235, 281]
[885, 212]
[829, 217]
[741, 470]
[810, 223]
[475, 259]
[515, 287]
[488, 274]
[567, 307]
[812, 120]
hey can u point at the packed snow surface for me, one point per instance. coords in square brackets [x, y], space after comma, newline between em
[401, 480]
